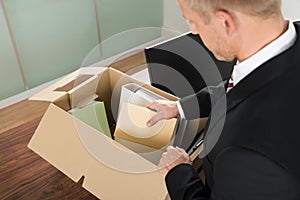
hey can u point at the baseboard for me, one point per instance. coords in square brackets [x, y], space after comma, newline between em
[24, 95]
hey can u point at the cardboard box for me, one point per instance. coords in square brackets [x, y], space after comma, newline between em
[110, 170]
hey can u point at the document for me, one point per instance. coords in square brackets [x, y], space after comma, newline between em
[131, 126]
[135, 94]
[94, 115]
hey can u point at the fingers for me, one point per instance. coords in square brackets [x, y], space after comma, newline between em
[171, 149]
[162, 168]
[168, 157]
[171, 158]
[164, 109]
[156, 106]
[155, 119]
[180, 150]
[176, 155]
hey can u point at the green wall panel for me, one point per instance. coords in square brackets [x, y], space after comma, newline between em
[53, 36]
[10, 77]
[117, 16]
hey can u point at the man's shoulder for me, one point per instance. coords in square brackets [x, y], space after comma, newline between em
[237, 169]
[296, 22]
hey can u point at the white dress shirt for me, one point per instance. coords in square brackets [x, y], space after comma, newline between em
[242, 69]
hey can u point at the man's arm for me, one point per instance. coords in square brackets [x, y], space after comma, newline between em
[199, 105]
[193, 106]
[196, 105]
[238, 174]
[183, 183]
[181, 179]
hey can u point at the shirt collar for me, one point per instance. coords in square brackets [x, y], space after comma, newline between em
[285, 41]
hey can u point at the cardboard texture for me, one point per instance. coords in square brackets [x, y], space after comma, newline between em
[60, 98]
[63, 147]
[111, 170]
[149, 153]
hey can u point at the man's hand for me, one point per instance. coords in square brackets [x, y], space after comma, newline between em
[165, 110]
[172, 158]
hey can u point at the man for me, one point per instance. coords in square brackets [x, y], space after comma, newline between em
[255, 156]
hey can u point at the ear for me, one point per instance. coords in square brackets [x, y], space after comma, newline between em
[227, 20]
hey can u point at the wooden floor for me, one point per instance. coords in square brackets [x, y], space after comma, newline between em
[25, 175]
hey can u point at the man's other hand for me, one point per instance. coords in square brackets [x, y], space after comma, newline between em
[165, 110]
[172, 158]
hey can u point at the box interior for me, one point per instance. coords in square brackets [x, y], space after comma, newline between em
[106, 88]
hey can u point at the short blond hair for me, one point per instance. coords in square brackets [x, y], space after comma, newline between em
[260, 8]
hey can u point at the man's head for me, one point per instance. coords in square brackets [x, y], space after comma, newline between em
[223, 24]
[259, 8]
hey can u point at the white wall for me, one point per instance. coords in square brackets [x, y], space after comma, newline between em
[173, 18]
[291, 9]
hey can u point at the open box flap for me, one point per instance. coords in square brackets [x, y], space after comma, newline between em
[61, 146]
[50, 94]
[84, 92]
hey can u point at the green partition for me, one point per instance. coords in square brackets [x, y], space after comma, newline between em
[117, 16]
[53, 36]
[10, 77]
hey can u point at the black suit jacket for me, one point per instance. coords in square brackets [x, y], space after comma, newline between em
[256, 155]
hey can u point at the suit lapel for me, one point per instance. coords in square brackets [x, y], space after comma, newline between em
[260, 78]
[263, 75]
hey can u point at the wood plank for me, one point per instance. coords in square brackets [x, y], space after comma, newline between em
[23, 174]
[21, 113]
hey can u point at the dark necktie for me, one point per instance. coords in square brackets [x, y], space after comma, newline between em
[230, 84]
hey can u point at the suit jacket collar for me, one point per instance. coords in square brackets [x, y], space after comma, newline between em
[263, 75]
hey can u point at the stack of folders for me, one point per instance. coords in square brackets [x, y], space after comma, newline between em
[94, 115]
[133, 116]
